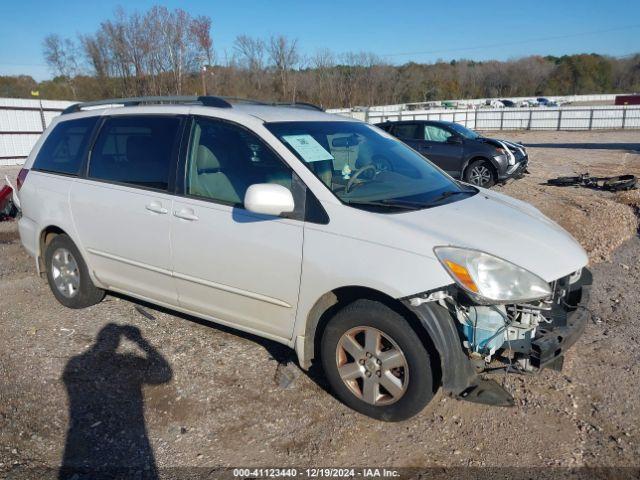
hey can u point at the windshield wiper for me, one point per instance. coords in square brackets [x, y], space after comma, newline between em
[408, 204]
[448, 194]
[389, 203]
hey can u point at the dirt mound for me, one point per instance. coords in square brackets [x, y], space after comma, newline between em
[600, 221]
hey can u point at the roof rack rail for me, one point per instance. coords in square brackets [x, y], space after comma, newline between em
[251, 101]
[310, 106]
[207, 101]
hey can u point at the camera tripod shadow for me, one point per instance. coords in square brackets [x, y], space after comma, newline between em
[107, 435]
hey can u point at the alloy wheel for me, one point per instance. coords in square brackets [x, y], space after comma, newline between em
[372, 366]
[480, 175]
[65, 272]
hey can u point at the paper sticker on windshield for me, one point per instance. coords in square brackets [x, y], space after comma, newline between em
[308, 148]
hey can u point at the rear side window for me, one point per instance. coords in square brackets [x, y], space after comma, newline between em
[407, 130]
[64, 148]
[136, 150]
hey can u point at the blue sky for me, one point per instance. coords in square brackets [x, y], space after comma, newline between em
[427, 30]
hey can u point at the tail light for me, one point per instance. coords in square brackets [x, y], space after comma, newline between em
[22, 176]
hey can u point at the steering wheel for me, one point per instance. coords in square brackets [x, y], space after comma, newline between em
[382, 163]
[356, 174]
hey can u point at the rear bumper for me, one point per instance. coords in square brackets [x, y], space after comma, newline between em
[27, 229]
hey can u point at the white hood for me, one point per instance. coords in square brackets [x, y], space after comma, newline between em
[488, 221]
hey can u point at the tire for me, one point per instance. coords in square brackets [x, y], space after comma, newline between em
[412, 382]
[481, 174]
[68, 275]
[623, 182]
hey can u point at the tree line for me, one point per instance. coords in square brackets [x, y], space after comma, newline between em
[170, 52]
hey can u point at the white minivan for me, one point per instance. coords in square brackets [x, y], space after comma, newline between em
[317, 231]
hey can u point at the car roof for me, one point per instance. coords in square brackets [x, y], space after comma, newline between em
[266, 112]
[271, 113]
[400, 122]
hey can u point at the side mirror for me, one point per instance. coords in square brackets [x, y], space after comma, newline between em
[268, 199]
[454, 139]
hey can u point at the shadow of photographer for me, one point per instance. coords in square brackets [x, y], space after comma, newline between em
[107, 435]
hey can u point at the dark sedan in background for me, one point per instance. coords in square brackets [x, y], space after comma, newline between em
[461, 152]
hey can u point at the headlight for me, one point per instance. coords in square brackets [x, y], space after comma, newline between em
[489, 279]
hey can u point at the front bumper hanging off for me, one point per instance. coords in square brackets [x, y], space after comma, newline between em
[516, 170]
[568, 314]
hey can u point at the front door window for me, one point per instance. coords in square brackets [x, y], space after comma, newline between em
[225, 159]
[436, 134]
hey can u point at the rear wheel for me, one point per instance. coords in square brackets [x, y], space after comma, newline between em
[68, 275]
[481, 174]
[376, 362]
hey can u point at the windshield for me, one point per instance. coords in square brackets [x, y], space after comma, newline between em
[367, 168]
[465, 132]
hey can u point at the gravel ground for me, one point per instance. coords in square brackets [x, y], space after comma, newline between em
[209, 396]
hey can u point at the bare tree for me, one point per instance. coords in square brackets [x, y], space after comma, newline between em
[62, 57]
[174, 29]
[252, 50]
[152, 52]
[200, 29]
[201, 32]
[284, 56]
[252, 53]
[326, 79]
[161, 51]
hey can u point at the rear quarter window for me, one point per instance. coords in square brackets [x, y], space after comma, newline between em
[64, 148]
[384, 126]
[410, 131]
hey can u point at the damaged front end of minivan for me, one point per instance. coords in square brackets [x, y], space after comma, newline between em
[496, 313]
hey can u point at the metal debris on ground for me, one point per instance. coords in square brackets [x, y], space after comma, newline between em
[612, 184]
[145, 313]
[286, 374]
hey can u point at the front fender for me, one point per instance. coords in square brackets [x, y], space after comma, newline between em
[457, 371]
[459, 376]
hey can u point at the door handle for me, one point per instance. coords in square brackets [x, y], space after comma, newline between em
[156, 207]
[186, 214]
[425, 147]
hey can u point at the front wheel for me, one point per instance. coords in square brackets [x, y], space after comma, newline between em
[481, 174]
[376, 362]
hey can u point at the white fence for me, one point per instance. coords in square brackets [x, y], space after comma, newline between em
[22, 121]
[477, 102]
[540, 118]
[602, 97]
